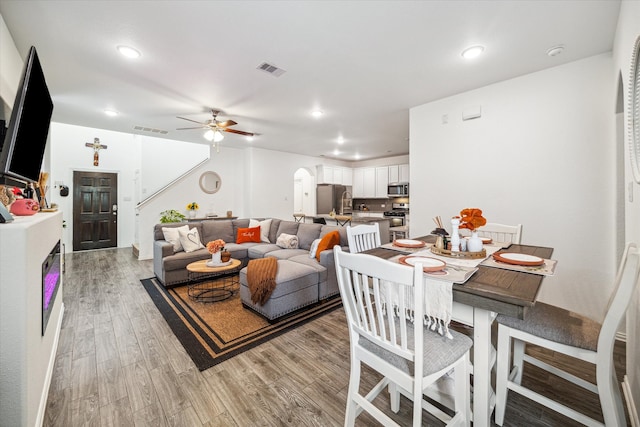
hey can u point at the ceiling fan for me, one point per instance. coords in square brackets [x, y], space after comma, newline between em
[215, 128]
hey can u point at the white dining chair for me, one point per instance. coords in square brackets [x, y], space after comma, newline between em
[382, 336]
[569, 333]
[501, 232]
[363, 237]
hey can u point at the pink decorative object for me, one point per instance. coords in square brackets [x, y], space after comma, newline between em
[24, 207]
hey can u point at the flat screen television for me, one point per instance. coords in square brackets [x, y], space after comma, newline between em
[26, 135]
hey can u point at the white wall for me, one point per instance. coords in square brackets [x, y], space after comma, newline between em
[627, 31]
[540, 155]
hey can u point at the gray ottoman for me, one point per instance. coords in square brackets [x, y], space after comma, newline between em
[297, 287]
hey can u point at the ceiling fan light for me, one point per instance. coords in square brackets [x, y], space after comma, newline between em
[217, 136]
[209, 135]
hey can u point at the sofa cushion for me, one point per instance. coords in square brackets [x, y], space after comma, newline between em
[344, 241]
[313, 263]
[190, 240]
[273, 233]
[217, 229]
[307, 233]
[180, 260]
[261, 250]
[238, 251]
[265, 228]
[287, 227]
[290, 277]
[172, 235]
[328, 242]
[246, 235]
[286, 253]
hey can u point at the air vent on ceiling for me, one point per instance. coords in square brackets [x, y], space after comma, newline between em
[271, 69]
[152, 130]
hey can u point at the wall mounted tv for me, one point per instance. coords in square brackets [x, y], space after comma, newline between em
[26, 136]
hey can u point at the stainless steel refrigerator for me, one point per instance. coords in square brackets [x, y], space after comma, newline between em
[333, 197]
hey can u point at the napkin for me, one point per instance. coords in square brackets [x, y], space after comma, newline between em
[438, 303]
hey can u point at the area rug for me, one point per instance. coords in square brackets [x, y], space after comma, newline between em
[214, 332]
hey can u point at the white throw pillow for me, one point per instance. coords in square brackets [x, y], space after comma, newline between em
[190, 240]
[314, 248]
[265, 226]
[172, 235]
[287, 241]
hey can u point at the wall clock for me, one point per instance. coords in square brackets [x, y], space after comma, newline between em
[634, 112]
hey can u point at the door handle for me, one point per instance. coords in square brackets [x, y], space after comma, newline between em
[114, 208]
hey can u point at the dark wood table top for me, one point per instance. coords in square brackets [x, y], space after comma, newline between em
[503, 291]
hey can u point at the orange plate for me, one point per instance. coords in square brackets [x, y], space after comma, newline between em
[428, 264]
[518, 259]
[408, 243]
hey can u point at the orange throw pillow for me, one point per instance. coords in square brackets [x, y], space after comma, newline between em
[328, 242]
[248, 235]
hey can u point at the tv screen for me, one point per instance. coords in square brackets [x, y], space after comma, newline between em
[26, 136]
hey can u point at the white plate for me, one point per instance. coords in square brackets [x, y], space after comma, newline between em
[518, 259]
[409, 243]
[428, 264]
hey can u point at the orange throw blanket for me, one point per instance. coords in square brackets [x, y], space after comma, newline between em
[261, 275]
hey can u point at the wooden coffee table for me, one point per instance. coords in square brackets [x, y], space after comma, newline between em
[212, 284]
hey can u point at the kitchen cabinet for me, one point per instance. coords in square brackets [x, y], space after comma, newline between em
[403, 172]
[369, 177]
[358, 183]
[333, 175]
[382, 181]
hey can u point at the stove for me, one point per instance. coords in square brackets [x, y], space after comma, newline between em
[397, 215]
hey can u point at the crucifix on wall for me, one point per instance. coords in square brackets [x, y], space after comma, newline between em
[96, 148]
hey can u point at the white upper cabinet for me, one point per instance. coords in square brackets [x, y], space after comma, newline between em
[394, 173]
[403, 173]
[334, 175]
[382, 181]
[369, 179]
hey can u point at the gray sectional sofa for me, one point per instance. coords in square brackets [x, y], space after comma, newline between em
[301, 280]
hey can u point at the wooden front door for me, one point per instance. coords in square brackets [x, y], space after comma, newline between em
[95, 210]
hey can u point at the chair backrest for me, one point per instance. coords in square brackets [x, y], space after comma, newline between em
[375, 295]
[501, 232]
[363, 237]
[627, 280]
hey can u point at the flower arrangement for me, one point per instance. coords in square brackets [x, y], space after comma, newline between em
[193, 206]
[215, 246]
[471, 218]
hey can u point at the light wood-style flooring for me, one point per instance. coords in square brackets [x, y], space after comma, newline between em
[119, 364]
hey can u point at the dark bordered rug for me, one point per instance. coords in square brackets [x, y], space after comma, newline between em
[214, 332]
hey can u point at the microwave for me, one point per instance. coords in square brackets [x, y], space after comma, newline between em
[400, 189]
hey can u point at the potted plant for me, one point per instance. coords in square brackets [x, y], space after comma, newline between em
[171, 215]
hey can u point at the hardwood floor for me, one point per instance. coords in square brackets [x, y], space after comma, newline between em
[119, 364]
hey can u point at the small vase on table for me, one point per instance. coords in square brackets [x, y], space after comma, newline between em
[192, 214]
[475, 242]
[216, 258]
[455, 236]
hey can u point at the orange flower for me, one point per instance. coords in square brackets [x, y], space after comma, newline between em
[471, 218]
[215, 246]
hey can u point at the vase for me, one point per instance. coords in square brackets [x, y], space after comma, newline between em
[455, 236]
[192, 213]
[225, 256]
[216, 258]
[475, 243]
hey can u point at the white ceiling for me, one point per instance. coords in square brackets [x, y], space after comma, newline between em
[364, 63]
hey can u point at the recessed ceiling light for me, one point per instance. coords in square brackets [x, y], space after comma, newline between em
[249, 138]
[472, 52]
[340, 140]
[555, 51]
[357, 156]
[111, 113]
[336, 152]
[317, 113]
[129, 52]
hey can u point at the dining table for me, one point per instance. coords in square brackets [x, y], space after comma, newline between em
[477, 302]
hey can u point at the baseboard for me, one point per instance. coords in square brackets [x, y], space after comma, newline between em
[631, 406]
[47, 382]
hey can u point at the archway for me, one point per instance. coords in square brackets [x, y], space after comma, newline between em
[304, 192]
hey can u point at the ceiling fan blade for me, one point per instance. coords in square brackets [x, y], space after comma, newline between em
[189, 120]
[227, 123]
[239, 132]
[197, 127]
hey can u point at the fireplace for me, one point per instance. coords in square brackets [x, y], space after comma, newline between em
[50, 283]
